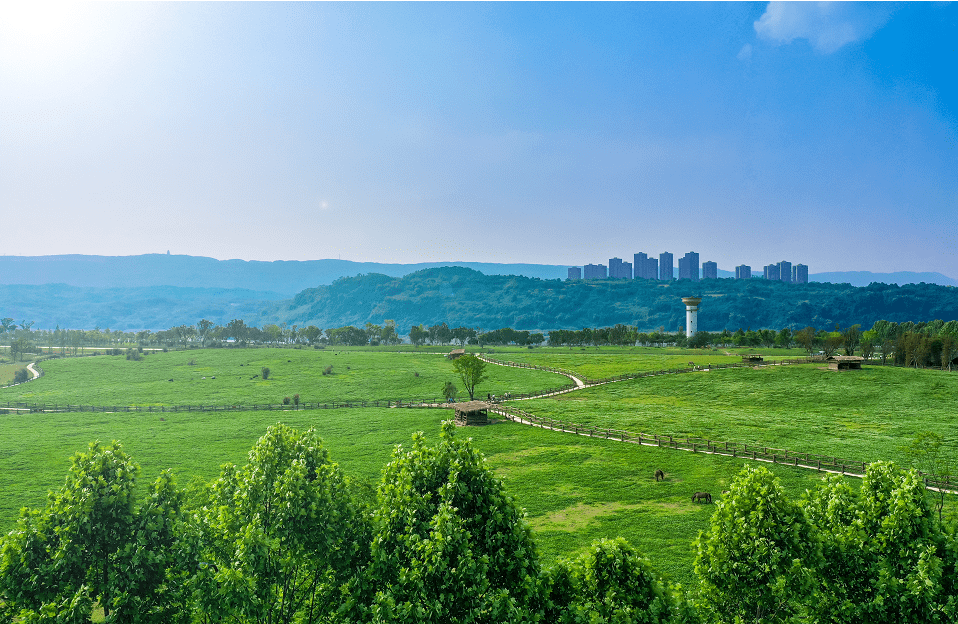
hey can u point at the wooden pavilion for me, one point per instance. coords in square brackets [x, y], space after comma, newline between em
[844, 362]
[472, 413]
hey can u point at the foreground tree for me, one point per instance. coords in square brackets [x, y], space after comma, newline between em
[92, 544]
[472, 372]
[757, 560]
[610, 583]
[886, 558]
[450, 545]
[281, 535]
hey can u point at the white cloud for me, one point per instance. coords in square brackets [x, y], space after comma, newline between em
[827, 25]
[745, 54]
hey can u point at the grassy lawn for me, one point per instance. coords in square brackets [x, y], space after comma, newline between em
[355, 376]
[602, 362]
[575, 489]
[865, 415]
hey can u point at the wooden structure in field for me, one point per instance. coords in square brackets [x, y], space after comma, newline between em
[753, 358]
[456, 353]
[844, 362]
[472, 413]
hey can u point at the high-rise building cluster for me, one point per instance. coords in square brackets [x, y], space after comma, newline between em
[662, 268]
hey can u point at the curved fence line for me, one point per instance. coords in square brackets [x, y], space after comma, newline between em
[757, 452]
[625, 376]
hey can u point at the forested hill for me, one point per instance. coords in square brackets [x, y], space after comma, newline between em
[460, 296]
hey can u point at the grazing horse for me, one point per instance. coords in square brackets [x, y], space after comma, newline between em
[659, 475]
[702, 496]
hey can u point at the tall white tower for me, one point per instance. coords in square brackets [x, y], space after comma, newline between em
[691, 315]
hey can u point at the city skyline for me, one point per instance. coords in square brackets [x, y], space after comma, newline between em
[646, 267]
[544, 133]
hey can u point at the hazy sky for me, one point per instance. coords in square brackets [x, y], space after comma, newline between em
[568, 133]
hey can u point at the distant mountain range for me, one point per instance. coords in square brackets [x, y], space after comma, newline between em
[161, 291]
[285, 278]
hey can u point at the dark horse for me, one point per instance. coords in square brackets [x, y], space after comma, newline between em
[659, 475]
[702, 496]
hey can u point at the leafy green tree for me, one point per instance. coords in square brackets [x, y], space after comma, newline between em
[851, 338]
[784, 338]
[312, 334]
[886, 559]
[930, 454]
[91, 543]
[610, 583]
[450, 544]
[472, 372]
[449, 391]
[203, 329]
[418, 335]
[830, 342]
[807, 339]
[281, 535]
[389, 335]
[757, 560]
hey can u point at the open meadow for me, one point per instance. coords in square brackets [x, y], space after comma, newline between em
[234, 377]
[575, 489]
[864, 415]
[604, 362]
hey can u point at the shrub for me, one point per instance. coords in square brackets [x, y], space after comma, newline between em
[286, 400]
[192, 362]
[296, 399]
[21, 376]
[265, 372]
[328, 370]
[133, 354]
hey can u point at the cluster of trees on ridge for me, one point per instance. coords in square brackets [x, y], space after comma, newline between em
[462, 297]
[289, 538]
[922, 344]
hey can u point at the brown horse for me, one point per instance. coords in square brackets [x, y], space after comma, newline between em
[702, 496]
[659, 475]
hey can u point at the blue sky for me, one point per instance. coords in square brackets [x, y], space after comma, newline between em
[567, 133]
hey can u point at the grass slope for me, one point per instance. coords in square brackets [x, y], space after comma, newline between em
[575, 489]
[356, 376]
[604, 362]
[864, 415]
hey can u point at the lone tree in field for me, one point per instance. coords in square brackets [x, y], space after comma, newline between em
[471, 371]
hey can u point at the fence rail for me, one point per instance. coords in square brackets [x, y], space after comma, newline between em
[694, 444]
[670, 371]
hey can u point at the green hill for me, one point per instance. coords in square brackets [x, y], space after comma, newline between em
[461, 296]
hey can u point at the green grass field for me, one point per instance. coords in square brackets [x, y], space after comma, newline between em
[356, 376]
[862, 415]
[603, 362]
[575, 489]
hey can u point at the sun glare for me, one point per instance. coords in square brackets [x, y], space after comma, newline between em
[42, 39]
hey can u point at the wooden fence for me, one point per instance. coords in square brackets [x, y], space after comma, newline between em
[670, 371]
[756, 452]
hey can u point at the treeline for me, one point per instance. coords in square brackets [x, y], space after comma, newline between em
[462, 297]
[289, 538]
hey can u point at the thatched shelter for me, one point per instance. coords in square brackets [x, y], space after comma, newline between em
[844, 362]
[455, 353]
[753, 358]
[472, 413]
